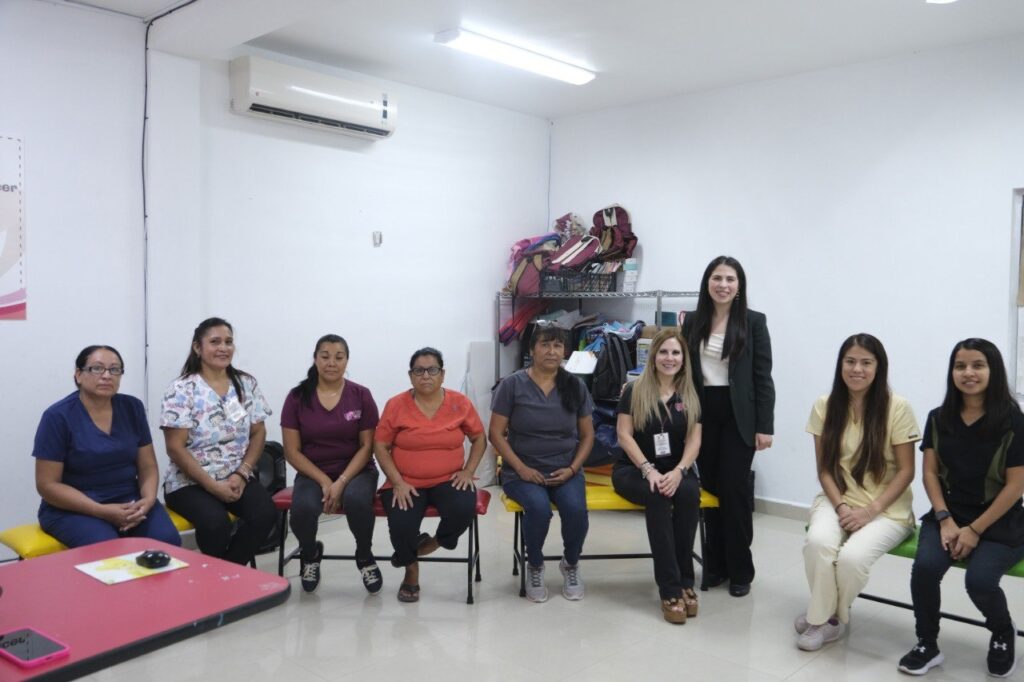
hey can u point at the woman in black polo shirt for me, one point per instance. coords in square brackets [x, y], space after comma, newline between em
[659, 432]
[974, 475]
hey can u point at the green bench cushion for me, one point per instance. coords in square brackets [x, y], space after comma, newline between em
[908, 550]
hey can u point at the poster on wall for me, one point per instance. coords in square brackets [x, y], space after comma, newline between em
[13, 299]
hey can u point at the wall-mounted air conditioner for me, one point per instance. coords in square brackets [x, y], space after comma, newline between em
[266, 89]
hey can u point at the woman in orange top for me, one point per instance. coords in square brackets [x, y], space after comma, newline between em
[420, 446]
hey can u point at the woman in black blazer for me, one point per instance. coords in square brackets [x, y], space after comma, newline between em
[732, 365]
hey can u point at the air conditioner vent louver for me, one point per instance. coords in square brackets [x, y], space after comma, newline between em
[320, 121]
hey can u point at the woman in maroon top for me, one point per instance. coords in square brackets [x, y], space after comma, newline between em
[327, 424]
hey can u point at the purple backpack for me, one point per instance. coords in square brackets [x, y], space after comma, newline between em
[612, 227]
[575, 253]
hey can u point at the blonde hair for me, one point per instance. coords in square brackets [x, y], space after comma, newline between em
[644, 406]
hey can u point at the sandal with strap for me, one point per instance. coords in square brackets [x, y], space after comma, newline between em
[673, 610]
[690, 600]
[408, 593]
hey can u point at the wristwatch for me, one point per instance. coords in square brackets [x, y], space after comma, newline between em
[941, 515]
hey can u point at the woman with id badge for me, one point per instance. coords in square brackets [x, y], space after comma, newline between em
[659, 432]
[213, 422]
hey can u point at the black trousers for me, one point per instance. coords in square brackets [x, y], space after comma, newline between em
[357, 502]
[671, 526]
[724, 464]
[256, 517]
[985, 568]
[456, 507]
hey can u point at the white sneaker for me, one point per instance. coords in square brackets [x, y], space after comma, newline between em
[816, 636]
[801, 624]
[536, 590]
[572, 588]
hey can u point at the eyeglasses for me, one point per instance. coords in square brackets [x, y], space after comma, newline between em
[98, 370]
[420, 371]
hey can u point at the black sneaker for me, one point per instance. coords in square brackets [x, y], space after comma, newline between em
[372, 579]
[921, 658]
[1001, 656]
[309, 571]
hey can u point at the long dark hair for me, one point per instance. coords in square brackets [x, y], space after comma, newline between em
[736, 327]
[83, 357]
[307, 387]
[999, 403]
[569, 387]
[870, 455]
[193, 363]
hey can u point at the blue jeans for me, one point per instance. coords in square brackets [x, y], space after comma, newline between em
[536, 500]
[985, 567]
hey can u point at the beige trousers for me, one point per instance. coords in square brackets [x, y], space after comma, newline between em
[838, 563]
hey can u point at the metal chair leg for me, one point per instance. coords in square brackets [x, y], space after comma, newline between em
[703, 551]
[282, 533]
[469, 562]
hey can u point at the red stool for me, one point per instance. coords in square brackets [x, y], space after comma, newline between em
[283, 502]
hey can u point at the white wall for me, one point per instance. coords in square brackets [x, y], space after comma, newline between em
[283, 249]
[875, 197]
[71, 86]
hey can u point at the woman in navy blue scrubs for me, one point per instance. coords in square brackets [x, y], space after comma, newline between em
[95, 466]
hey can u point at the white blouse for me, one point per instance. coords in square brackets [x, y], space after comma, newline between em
[714, 368]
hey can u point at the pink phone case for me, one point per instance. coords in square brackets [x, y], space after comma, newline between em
[34, 662]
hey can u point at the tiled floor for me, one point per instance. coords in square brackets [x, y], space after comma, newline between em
[616, 633]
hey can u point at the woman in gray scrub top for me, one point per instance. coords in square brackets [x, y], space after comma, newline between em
[542, 428]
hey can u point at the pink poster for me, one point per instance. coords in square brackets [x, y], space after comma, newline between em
[12, 230]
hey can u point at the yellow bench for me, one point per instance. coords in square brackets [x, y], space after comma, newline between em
[599, 498]
[29, 541]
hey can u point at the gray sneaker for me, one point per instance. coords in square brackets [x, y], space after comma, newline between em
[816, 636]
[572, 588]
[536, 590]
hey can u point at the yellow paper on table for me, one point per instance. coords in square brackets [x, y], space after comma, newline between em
[123, 568]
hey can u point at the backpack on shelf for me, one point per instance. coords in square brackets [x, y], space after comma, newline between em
[569, 226]
[544, 243]
[527, 259]
[575, 253]
[612, 227]
[525, 278]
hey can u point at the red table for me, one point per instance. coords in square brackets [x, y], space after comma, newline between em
[107, 624]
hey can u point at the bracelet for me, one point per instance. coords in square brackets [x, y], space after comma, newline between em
[645, 469]
[836, 508]
[974, 531]
[238, 473]
[343, 478]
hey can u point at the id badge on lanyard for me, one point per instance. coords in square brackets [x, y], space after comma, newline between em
[662, 448]
[661, 445]
[233, 410]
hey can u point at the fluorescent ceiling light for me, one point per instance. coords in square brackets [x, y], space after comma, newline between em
[940, 2]
[511, 55]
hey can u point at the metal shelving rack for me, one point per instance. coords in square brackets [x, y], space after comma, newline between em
[658, 294]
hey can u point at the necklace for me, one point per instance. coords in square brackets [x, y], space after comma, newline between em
[330, 394]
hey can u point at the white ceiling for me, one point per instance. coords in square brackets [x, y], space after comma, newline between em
[641, 49]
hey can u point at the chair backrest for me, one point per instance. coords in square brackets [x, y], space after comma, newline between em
[272, 469]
